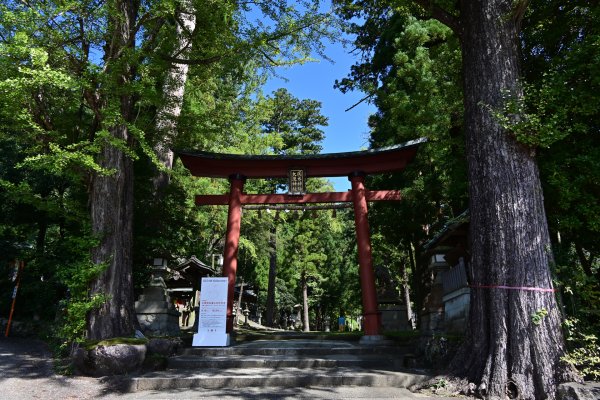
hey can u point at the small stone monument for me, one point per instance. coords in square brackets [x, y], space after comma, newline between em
[155, 312]
[432, 314]
[393, 312]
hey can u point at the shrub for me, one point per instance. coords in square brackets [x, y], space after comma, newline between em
[584, 348]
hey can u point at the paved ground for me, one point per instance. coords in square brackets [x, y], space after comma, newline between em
[26, 373]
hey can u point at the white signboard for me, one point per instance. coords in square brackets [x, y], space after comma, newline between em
[213, 313]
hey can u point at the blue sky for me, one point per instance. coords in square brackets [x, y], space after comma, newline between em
[347, 130]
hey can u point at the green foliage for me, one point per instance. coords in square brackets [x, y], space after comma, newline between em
[295, 123]
[410, 69]
[440, 384]
[72, 327]
[580, 290]
[80, 271]
[285, 297]
[67, 79]
[538, 316]
[537, 119]
[76, 275]
[44, 219]
[584, 348]
[561, 90]
[561, 54]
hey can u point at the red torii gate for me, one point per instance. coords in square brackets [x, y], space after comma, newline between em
[355, 165]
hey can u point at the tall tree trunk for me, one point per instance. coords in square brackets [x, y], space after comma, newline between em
[305, 321]
[112, 216]
[111, 197]
[515, 336]
[406, 293]
[40, 243]
[239, 305]
[417, 280]
[270, 317]
[173, 91]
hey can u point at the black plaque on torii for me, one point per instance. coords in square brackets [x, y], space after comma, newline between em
[296, 181]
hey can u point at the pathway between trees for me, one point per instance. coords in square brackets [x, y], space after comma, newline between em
[26, 372]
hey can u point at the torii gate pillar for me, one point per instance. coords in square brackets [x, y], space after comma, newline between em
[372, 317]
[232, 241]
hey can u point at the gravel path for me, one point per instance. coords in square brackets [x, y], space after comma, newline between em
[26, 372]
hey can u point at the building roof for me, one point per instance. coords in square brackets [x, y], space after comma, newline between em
[454, 230]
[193, 269]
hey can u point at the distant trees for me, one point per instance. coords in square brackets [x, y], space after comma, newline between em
[295, 123]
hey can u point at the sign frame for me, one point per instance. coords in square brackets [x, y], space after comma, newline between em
[297, 181]
[212, 318]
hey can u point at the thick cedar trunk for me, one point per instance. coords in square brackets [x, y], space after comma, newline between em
[112, 215]
[111, 199]
[270, 317]
[305, 320]
[509, 237]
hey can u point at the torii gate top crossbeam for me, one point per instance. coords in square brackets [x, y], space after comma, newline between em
[216, 165]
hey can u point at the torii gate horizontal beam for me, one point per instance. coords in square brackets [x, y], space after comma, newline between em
[331, 197]
[375, 161]
[294, 207]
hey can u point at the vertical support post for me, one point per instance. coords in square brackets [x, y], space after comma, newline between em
[19, 265]
[232, 241]
[372, 317]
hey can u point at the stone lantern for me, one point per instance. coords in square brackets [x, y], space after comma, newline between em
[155, 311]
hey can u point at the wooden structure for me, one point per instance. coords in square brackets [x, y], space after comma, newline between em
[447, 305]
[355, 165]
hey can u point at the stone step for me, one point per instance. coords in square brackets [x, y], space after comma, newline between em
[295, 347]
[381, 361]
[269, 377]
[225, 351]
[290, 335]
[295, 362]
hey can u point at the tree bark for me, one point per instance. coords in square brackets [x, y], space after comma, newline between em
[305, 321]
[239, 305]
[173, 91]
[509, 351]
[270, 317]
[112, 216]
[417, 279]
[406, 293]
[40, 243]
[111, 197]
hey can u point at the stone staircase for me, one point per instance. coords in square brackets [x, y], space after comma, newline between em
[293, 362]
